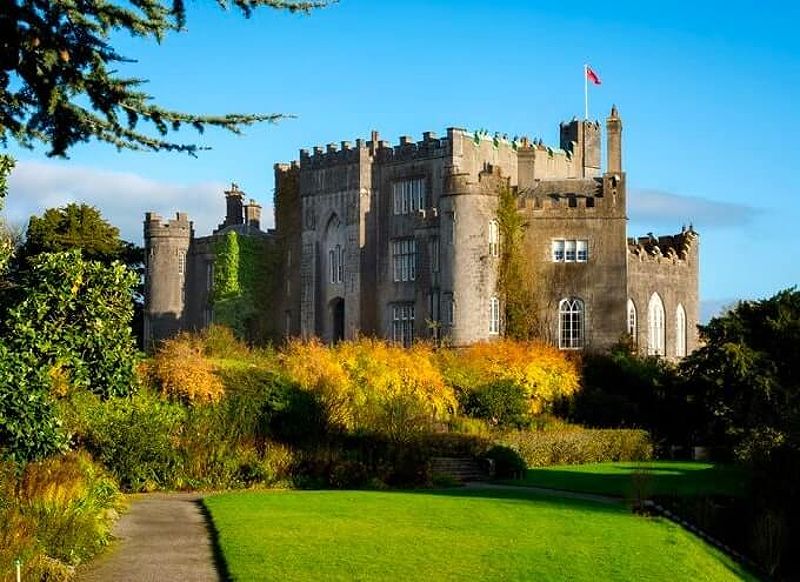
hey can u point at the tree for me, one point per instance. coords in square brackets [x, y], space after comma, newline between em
[78, 226]
[747, 374]
[6, 244]
[57, 79]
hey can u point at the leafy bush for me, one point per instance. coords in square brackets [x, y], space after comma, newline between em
[181, 370]
[136, 438]
[76, 314]
[501, 403]
[543, 373]
[508, 463]
[573, 445]
[29, 424]
[56, 514]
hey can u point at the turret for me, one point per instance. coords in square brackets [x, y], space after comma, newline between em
[614, 142]
[166, 245]
[582, 139]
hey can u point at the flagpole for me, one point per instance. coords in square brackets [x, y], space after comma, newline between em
[586, 91]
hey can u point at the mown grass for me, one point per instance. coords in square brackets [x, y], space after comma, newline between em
[651, 478]
[461, 534]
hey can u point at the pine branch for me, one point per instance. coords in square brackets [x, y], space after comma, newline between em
[55, 57]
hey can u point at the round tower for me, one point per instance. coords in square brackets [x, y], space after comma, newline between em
[166, 248]
[469, 277]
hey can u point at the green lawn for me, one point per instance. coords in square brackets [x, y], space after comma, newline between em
[655, 478]
[460, 534]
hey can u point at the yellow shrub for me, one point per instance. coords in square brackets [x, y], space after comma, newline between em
[182, 371]
[371, 384]
[55, 514]
[542, 371]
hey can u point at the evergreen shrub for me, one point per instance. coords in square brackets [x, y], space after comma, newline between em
[508, 463]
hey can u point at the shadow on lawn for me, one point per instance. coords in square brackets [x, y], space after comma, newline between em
[651, 480]
[521, 494]
[220, 563]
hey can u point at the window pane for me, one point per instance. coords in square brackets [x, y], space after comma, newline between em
[569, 250]
[558, 250]
[583, 250]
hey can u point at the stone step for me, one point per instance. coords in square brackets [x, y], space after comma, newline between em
[460, 468]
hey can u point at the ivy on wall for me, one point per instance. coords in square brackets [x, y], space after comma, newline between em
[523, 291]
[245, 282]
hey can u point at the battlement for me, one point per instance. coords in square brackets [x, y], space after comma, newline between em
[178, 227]
[347, 152]
[677, 248]
[563, 195]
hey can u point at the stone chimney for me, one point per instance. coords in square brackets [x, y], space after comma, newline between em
[252, 214]
[233, 201]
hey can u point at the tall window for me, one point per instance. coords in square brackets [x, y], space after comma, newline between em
[494, 238]
[336, 264]
[494, 315]
[404, 259]
[409, 195]
[680, 331]
[181, 263]
[449, 309]
[340, 264]
[403, 323]
[209, 275]
[632, 331]
[655, 326]
[570, 251]
[571, 324]
[434, 252]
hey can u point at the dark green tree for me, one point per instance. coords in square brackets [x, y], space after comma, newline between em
[747, 374]
[59, 85]
[75, 226]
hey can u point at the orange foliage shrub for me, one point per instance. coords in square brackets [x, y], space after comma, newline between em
[181, 371]
[544, 373]
[372, 385]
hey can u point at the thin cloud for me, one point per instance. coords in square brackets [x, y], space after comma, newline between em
[122, 198]
[658, 208]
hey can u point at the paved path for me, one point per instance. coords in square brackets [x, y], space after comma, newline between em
[162, 537]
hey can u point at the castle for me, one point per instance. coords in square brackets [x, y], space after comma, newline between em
[403, 242]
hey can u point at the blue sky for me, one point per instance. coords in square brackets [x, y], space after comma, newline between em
[708, 93]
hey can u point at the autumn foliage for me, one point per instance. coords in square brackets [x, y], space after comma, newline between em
[181, 370]
[372, 385]
[541, 371]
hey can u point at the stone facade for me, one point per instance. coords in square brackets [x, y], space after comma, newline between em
[401, 241]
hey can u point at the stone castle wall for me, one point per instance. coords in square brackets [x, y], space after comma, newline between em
[339, 198]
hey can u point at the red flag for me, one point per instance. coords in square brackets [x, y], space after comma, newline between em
[592, 76]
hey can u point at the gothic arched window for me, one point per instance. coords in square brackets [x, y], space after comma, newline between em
[655, 326]
[571, 324]
[632, 329]
[680, 331]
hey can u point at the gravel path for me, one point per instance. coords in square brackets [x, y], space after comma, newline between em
[162, 537]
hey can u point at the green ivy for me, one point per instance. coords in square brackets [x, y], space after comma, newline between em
[245, 280]
[516, 281]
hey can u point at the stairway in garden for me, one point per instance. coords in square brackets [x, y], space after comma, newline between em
[461, 469]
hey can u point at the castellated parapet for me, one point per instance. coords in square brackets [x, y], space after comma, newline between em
[400, 239]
